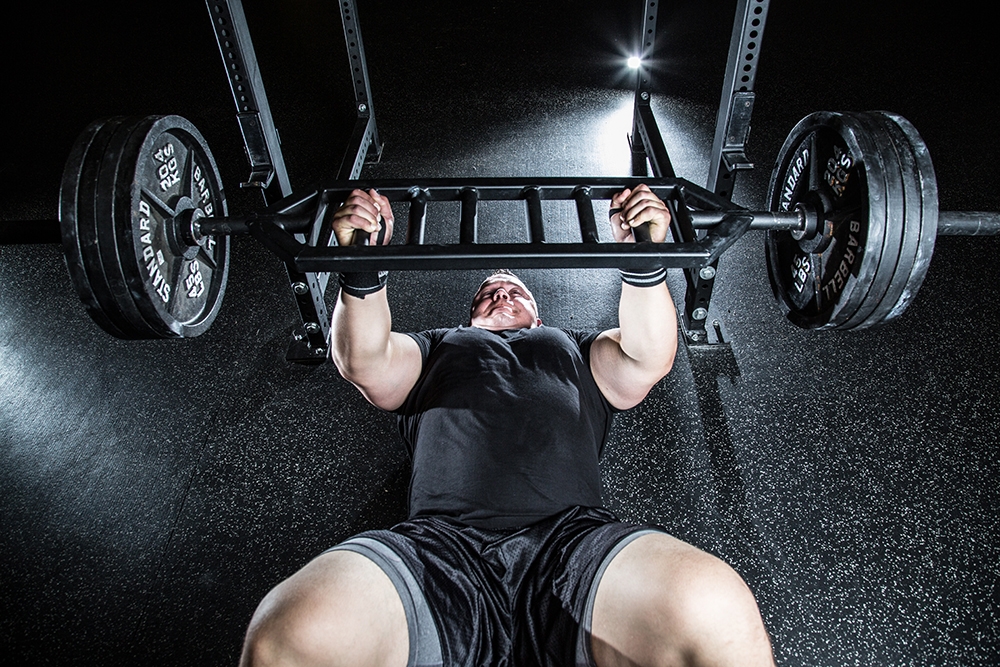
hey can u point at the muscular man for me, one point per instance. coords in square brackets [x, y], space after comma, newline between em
[508, 557]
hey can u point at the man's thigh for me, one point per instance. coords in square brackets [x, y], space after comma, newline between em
[341, 608]
[661, 601]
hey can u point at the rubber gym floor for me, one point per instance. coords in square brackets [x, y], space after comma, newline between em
[151, 492]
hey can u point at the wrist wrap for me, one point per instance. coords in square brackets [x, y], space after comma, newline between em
[646, 277]
[362, 283]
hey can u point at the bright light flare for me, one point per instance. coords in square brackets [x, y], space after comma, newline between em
[634, 62]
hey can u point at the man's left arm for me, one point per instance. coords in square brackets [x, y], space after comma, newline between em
[629, 360]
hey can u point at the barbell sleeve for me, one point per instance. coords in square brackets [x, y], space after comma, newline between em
[968, 223]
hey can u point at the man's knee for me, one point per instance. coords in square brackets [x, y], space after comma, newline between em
[340, 609]
[718, 613]
[662, 601]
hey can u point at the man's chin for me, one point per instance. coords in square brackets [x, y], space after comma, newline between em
[501, 322]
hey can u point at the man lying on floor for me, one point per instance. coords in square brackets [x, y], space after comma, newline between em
[508, 557]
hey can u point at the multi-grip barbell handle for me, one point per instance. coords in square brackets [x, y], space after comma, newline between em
[950, 223]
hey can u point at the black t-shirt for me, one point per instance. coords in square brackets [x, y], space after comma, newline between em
[504, 428]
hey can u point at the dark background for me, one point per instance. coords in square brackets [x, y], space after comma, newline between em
[153, 491]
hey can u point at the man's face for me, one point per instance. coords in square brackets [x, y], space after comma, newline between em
[503, 302]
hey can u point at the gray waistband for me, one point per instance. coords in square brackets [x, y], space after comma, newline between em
[425, 644]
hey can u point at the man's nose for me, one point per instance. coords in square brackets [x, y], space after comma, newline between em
[501, 293]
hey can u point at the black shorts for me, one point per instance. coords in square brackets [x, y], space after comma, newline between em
[521, 597]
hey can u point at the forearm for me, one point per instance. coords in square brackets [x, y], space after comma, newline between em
[629, 360]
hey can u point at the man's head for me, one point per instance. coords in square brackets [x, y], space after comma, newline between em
[503, 302]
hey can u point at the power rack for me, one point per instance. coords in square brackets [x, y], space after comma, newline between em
[850, 228]
[647, 145]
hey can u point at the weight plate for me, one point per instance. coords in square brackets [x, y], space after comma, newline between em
[916, 163]
[77, 201]
[111, 261]
[827, 162]
[902, 228]
[163, 168]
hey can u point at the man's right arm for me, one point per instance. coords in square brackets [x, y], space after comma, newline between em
[382, 364]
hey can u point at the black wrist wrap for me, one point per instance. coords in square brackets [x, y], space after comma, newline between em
[362, 283]
[646, 277]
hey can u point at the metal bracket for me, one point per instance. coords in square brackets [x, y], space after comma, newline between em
[262, 171]
[734, 156]
[712, 335]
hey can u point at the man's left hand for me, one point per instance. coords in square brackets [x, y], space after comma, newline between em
[639, 206]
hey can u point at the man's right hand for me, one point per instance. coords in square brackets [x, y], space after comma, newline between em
[364, 211]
